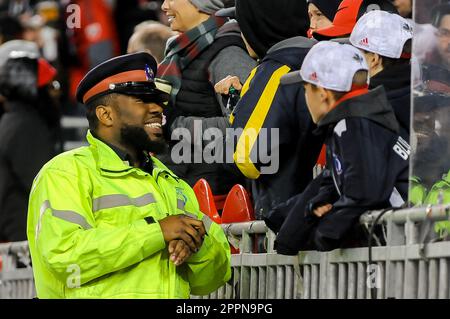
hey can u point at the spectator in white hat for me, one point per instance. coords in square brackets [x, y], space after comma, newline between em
[385, 40]
[367, 161]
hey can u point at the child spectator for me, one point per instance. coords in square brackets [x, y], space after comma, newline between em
[321, 14]
[366, 159]
[275, 33]
[385, 39]
[348, 14]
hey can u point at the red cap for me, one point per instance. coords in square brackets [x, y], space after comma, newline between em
[344, 20]
[46, 72]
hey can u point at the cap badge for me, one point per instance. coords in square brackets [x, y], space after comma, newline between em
[313, 76]
[407, 28]
[364, 42]
[149, 73]
[358, 58]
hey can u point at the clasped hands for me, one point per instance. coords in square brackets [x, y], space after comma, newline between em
[184, 236]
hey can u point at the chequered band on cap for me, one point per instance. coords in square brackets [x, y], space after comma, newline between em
[130, 68]
[104, 85]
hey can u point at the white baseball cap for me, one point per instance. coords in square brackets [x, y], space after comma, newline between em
[330, 65]
[382, 32]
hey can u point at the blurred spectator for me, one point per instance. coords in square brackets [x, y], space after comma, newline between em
[208, 49]
[321, 14]
[94, 42]
[440, 194]
[386, 41]
[16, 8]
[430, 157]
[425, 34]
[129, 13]
[348, 14]
[404, 8]
[10, 29]
[151, 37]
[441, 21]
[28, 132]
[367, 160]
[32, 28]
[275, 33]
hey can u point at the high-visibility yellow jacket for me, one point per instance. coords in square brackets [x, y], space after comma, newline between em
[433, 197]
[88, 237]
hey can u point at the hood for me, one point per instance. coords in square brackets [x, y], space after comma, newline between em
[291, 51]
[267, 22]
[373, 106]
[396, 77]
[229, 28]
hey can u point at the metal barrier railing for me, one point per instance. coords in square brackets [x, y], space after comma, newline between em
[407, 267]
[16, 274]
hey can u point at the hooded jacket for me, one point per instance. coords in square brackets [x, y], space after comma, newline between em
[264, 23]
[367, 168]
[397, 83]
[26, 144]
[284, 130]
[94, 232]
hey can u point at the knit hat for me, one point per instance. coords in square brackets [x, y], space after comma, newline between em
[208, 6]
[327, 7]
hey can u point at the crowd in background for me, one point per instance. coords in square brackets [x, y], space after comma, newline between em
[249, 49]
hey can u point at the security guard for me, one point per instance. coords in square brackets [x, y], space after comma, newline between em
[110, 221]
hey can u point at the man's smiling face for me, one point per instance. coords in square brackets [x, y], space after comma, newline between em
[138, 124]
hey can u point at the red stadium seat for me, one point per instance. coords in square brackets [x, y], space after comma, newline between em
[206, 200]
[238, 207]
[219, 200]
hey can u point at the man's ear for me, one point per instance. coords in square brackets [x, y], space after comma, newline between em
[105, 115]
[374, 60]
[323, 95]
[328, 99]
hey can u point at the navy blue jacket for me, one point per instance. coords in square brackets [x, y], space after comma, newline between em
[367, 168]
[266, 105]
[396, 80]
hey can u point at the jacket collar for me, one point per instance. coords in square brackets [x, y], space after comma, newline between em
[397, 77]
[290, 52]
[295, 42]
[373, 106]
[110, 162]
[107, 159]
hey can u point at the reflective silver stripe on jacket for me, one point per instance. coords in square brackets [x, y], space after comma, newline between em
[207, 222]
[67, 215]
[180, 204]
[118, 200]
[71, 217]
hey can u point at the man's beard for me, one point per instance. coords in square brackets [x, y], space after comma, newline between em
[137, 138]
